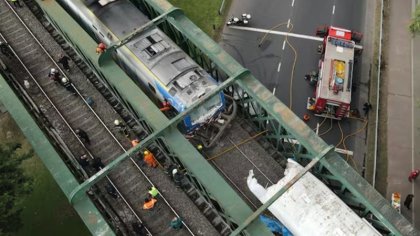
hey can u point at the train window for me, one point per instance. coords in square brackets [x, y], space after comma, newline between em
[94, 27]
[103, 36]
[152, 88]
[172, 91]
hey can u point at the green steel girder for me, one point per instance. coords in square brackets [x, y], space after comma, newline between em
[280, 113]
[152, 137]
[107, 55]
[52, 161]
[288, 185]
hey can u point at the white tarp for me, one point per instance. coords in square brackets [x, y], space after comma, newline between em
[309, 207]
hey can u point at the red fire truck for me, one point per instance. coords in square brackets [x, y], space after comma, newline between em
[334, 79]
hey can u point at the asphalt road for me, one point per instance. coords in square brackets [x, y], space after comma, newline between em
[272, 63]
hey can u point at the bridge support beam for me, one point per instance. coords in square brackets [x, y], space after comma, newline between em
[152, 137]
[281, 191]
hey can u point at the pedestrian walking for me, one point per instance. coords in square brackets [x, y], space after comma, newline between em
[82, 136]
[122, 128]
[54, 75]
[177, 177]
[153, 192]
[68, 85]
[135, 142]
[16, 3]
[408, 200]
[4, 48]
[111, 191]
[97, 164]
[100, 48]
[84, 161]
[149, 203]
[149, 159]
[64, 60]
[413, 175]
[176, 223]
[366, 108]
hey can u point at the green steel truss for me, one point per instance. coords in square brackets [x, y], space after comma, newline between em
[256, 103]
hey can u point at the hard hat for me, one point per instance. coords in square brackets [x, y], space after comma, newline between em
[146, 153]
[174, 171]
[64, 80]
[53, 70]
[116, 122]
[199, 146]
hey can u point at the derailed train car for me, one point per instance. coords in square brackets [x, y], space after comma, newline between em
[309, 207]
[151, 58]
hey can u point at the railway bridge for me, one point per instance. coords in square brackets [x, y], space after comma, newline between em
[280, 132]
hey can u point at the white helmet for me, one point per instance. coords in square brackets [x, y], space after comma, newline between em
[53, 70]
[116, 122]
[174, 171]
[64, 80]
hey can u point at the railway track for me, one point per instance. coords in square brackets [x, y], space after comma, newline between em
[67, 112]
[241, 149]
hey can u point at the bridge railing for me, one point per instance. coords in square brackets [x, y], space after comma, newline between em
[290, 136]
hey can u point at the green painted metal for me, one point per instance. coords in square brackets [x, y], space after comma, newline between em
[51, 159]
[260, 103]
[107, 55]
[288, 185]
[232, 206]
[152, 137]
[279, 113]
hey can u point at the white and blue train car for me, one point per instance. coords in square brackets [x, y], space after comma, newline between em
[151, 58]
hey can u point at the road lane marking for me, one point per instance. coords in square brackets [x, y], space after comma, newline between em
[274, 91]
[293, 3]
[284, 44]
[333, 11]
[279, 67]
[288, 23]
[302, 36]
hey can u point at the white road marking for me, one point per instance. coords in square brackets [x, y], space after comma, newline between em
[274, 91]
[284, 44]
[279, 67]
[293, 3]
[333, 11]
[288, 23]
[302, 36]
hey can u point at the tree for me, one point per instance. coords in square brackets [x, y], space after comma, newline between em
[14, 185]
[415, 22]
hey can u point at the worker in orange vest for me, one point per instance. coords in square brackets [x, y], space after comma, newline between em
[149, 158]
[149, 203]
[135, 142]
[100, 48]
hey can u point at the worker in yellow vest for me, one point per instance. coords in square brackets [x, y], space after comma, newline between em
[153, 192]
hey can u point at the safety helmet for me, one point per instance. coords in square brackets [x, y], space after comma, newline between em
[174, 171]
[53, 70]
[64, 80]
[146, 153]
[116, 122]
[199, 147]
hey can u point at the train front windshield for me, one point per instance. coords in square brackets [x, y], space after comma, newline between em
[207, 110]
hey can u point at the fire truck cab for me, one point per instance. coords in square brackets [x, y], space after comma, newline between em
[333, 89]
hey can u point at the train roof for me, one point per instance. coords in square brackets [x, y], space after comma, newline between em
[336, 70]
[129, 21]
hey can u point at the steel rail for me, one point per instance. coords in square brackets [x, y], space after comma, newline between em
[93, 112]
